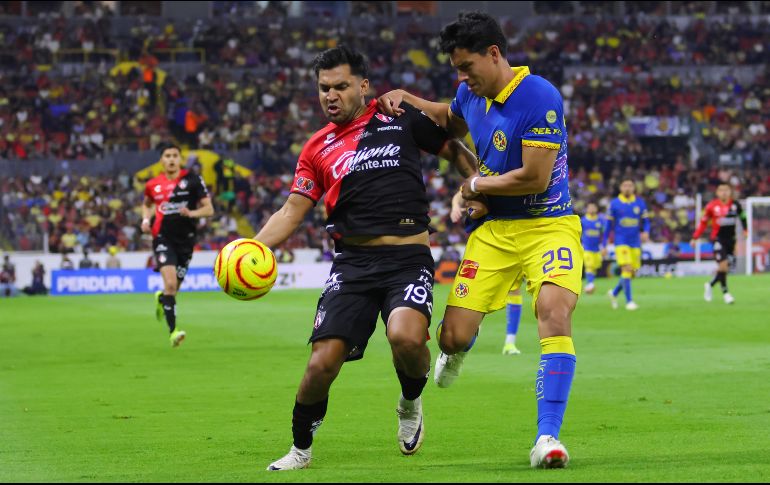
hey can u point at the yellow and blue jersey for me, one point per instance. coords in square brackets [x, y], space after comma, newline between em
[528, 112]
[592, 232]
[628, 218]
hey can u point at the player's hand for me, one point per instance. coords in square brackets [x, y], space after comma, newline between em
[184, 212]
[389, 102]
[693, 242]
[146, 227]
[645, 237]
[477, 208]
[456, 213]
[604, 252]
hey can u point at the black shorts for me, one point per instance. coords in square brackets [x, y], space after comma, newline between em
[724, 250]
[365, 282]
[169, 253]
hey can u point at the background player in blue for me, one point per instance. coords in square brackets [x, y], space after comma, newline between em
[516, 122]
[628, 218]
[593, 226]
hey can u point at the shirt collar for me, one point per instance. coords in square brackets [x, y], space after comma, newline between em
[519, 73]
[627, 200]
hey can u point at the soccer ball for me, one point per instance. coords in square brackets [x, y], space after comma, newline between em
[246, 269]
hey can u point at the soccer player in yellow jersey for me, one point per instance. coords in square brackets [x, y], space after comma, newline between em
[516, 121]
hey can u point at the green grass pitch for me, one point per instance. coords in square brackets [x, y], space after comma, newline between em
[91, 391]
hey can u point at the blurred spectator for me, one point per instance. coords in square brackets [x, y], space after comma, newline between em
[113, 262]
[86, 262]
[284, 255]
[38, 281]
[66, 262]
[8, 278]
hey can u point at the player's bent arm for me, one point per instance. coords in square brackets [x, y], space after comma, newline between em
[205, 209]
[456, 152]
[283, 223]
[532, 178]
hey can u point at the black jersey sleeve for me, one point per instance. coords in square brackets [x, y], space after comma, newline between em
[429, 136]
[739, 212]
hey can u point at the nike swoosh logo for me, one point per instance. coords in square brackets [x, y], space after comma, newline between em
[557, 275]
[410, 446]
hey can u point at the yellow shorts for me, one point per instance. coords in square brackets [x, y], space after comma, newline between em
[626, 255]
[502, 252]
[592, 261]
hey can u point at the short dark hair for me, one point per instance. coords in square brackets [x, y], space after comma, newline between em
[339, 56]
[473, 31]
[168, 146]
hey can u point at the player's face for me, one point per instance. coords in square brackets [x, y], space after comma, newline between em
[724, 192]
[478, 71]
[171, 160]
[341, 94]
[627, 188]
[592, 210]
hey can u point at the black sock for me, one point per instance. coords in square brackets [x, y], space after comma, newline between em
[307, 419]
[169, 308]
[411, 388]
[717, 278]
[723, 280]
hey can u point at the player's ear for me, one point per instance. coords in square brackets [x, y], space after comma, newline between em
[364, 87]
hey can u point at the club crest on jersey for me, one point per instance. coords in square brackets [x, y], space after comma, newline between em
[462, 290]
[304, 184]
[383, 118]
[183, 184]
[319, 318]
[468, 269]
[158, 188]
[499, 140]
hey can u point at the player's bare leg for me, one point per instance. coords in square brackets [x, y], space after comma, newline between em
[456, 335]
[408, 337]
[324, 366]
[554, 379]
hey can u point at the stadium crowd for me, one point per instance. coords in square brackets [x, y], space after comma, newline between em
[102, 212]
[255, 92]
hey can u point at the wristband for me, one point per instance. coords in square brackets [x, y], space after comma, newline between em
[145, 221]
[473, 185]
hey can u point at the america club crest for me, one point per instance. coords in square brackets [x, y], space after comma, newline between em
[462, 290]
[383, 118]
[499, 140]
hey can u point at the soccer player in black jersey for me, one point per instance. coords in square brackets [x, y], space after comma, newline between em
[180, 198]
[723, 212]
[367, 166]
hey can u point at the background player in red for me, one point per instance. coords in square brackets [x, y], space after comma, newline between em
[179, 198]
[723, 212]
[367, 166]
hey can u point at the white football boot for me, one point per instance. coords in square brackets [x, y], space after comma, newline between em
[632, 306]
[707, 295]
[296, 459]
[548, 452]
[729, 299]
[448, 367]
[613, 300]
[411, 429]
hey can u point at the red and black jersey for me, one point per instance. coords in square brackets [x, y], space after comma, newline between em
[724, 216]
[370, 170]
[169, 196]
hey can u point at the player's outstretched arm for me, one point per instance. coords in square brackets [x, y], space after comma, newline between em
[390, 102]
[532, 178]
[283, 223]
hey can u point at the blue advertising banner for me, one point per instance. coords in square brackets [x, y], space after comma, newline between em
[102, 281]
